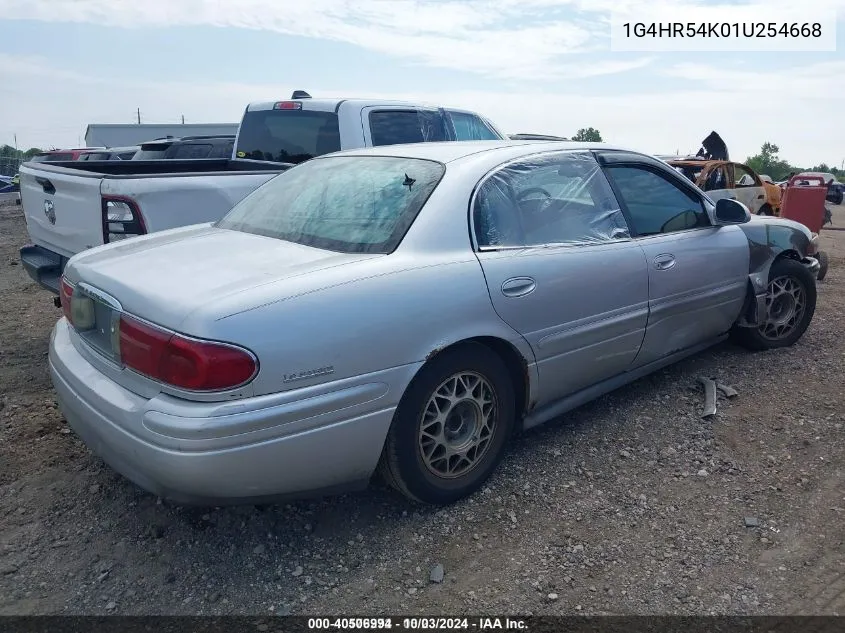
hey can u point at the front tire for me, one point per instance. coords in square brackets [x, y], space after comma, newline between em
[790, 305]
[451, 427]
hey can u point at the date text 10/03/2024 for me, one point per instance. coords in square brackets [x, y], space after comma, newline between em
[722, 29]
[418, 624]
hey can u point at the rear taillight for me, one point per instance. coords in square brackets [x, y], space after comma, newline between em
[77, 308]
[180, 361]
[121, 219]
[66, 295]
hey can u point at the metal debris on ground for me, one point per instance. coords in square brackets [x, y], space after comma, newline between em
[709, 397]
[729, 392]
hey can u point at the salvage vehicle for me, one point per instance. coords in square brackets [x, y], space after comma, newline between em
[73, 206]
[407, 309]
[835, 189]
[712, 170]
[187, 147]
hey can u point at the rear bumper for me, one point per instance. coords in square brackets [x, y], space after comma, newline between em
[44, 266]
[250, 452]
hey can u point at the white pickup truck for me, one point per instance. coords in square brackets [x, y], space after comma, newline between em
[73, 206]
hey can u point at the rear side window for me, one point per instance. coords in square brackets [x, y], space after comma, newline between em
[560, 198]
[126, 155]
[348, 204]
[222, 150]
[287, 136]
[470, 127]
[396, 127]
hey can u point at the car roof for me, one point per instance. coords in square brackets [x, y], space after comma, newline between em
[450, 151]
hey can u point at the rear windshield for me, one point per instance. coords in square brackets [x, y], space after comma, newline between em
[96, 156]
[287, 136]
[48, 158]
[348, 204]
[151, 152]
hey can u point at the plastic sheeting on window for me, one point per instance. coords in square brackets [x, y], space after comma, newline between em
[558, 198]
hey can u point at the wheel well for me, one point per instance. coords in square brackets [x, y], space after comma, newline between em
[788, 254]
[514, 361]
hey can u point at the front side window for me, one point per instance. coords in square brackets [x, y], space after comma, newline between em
[655, 204]
[397, 127]
[717, 179]
[470, 127]
[348, 204]
[549, 199]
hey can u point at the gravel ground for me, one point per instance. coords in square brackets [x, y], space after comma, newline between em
[629, 505]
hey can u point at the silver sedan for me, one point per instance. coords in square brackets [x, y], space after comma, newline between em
[407, 309]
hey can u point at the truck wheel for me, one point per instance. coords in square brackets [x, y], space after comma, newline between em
[451, 426]
[823, 262]
[790, 305]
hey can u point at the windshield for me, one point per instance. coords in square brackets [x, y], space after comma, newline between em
[287, 136]
[349, 204]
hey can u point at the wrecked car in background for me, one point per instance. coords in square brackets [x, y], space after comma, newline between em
[713, 171]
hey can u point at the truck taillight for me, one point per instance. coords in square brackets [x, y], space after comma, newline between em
[181, 361]
[121, 219]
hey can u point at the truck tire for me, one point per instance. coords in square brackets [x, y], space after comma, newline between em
[790, 305]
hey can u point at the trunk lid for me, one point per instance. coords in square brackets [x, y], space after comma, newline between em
[61, 207]
[166, 276]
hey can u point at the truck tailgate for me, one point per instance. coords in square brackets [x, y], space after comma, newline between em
[62, 208]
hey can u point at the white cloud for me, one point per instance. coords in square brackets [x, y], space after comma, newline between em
[528, 39]
[51, 108]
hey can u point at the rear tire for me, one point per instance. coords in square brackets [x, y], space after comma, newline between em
[823, 264]
[766, 209]
[451, 427]
[790, 305]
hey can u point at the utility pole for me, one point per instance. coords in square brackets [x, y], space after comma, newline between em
[139, 116]
[183, 119]
[16, 142]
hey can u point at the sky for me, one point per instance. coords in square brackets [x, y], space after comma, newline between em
[537, 66]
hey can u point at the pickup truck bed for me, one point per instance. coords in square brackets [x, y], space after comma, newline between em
[66, 204]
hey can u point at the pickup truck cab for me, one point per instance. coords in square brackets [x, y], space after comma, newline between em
[70, 207]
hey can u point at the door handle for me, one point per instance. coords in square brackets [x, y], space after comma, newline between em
[518, 286]
[664, 261]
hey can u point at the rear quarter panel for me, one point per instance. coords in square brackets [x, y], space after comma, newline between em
[398, 312]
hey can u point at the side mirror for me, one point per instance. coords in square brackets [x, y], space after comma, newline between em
[731, 212]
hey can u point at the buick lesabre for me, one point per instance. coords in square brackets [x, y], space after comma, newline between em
[406, 309]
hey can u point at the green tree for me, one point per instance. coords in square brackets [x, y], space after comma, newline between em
[32, 151]
[768, 162]
[588, 135]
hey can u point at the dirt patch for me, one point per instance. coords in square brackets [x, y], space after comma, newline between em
[631, 504]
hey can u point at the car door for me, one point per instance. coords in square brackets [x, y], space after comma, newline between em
[561, 268]
[747, 187]
[698, 272]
